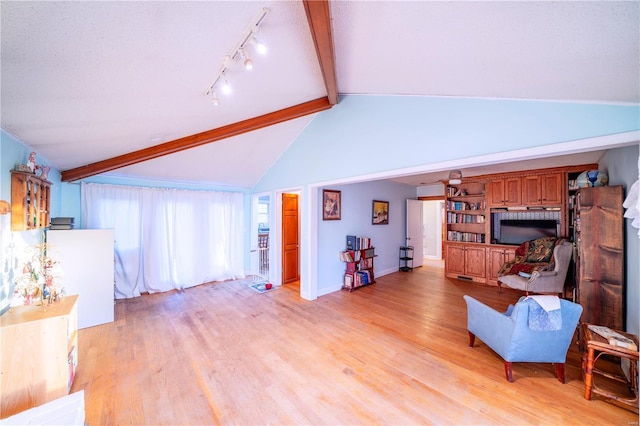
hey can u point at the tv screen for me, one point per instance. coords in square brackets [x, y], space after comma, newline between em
[519, 231]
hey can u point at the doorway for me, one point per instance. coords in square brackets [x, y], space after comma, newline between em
[290, 239]
[432, 227]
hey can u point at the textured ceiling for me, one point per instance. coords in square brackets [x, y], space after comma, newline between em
[85, 81]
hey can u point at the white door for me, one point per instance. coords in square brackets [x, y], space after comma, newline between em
[432, 225]
[414, 230]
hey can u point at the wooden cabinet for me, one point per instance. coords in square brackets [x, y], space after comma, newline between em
[599, 260]
[529, 190]
[39, 354]
[30, 201]
[542, 189]
[496, 257]
[465, 261]
[506, 191]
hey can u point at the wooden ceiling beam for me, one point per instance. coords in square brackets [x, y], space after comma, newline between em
[319, 18]
[198, 139]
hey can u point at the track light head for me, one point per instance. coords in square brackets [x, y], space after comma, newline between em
[247, 63]
[226, 88]
[214, 100]
[259, 46]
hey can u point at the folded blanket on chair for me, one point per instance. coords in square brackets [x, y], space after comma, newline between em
[546, 315]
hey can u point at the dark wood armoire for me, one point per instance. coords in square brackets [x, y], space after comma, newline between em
[600, 278]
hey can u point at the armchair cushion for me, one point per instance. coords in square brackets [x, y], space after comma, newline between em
[541, 250]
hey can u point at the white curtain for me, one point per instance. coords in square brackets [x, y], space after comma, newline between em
[167, 239]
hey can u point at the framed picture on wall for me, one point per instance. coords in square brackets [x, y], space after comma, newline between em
[380, 213]
[331, 204]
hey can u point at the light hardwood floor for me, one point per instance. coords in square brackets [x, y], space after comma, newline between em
[391, 353]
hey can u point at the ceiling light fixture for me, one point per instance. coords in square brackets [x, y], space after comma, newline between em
[248, 37]
[247, 63]
[226, 88]
[257, 44]
[455, 177]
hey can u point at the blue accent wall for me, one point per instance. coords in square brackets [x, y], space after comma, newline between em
[371, 134]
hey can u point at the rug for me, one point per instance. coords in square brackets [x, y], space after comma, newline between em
[260, 287]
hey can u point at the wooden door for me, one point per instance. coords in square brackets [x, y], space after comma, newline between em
[495, 192]
[513, 191]
[414, 230]
[495, 259]
[531, 190]
[454, 262]
[551, 188]
[290, 239]
[475, 261]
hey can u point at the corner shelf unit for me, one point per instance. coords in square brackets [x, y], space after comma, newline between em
[406, 259]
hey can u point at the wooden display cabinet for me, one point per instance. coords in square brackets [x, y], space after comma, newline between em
[30, 202]
[39, 354]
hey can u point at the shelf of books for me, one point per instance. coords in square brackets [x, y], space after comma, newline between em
[466, 213]
[358, 258]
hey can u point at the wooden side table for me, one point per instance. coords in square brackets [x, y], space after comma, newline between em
[593, 347]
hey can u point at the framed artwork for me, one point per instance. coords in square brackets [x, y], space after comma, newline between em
[380, 213]
[331, 204]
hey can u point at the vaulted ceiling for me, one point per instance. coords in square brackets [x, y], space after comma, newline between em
[102, 86]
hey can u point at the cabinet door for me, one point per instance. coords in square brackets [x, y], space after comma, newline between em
[455, 261]
[495, 192]
[513, 191]
[496, 258]
[531, 190]
[551, 188]
[475, 261]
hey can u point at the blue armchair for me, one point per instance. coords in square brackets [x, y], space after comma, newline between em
[511, 336]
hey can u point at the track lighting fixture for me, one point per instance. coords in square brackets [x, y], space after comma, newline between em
[240, 51]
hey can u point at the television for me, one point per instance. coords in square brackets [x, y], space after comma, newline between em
[517, 231]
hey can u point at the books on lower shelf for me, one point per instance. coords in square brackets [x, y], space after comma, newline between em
[614, 338]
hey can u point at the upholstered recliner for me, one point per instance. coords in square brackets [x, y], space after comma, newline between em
[517, 335]
[533, 271]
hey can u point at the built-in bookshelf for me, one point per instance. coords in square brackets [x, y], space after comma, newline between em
[466, 212]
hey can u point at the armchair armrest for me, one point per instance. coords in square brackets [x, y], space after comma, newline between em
[492, 327]
[536, 274]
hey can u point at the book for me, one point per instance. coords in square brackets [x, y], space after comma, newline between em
[614, 338]
[351, 242]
